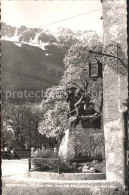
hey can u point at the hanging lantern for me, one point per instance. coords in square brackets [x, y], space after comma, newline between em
[95, 69]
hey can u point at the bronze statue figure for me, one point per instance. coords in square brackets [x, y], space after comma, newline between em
[80, 103]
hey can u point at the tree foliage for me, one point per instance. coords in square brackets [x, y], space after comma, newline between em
[8, 137]
[55, 108]
[77, 70]
[54, 119]
[24, 122]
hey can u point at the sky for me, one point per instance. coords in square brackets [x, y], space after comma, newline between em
[43, 13]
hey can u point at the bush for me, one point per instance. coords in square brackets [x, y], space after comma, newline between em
[45, 165]
[90, 146]
[69, 167]
[48, 163]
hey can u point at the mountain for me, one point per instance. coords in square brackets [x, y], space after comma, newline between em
[32, 58]
[29, 67]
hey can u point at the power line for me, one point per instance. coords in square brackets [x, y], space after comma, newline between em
[71, 17]
[22, 100]
[27, 75]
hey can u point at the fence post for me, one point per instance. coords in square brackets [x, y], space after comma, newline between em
[59, 166]
[29, 164]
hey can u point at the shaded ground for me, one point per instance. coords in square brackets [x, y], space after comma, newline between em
[45, 191]
[8, 190]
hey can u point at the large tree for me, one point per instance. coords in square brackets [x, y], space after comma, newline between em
[24, 122]
[55, 108]
[76, 75]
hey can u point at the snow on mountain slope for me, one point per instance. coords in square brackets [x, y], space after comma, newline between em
[36, 52]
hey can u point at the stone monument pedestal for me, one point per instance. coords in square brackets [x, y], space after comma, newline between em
[77, 141]
[67, 146]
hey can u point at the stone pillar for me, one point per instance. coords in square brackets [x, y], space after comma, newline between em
[115, 90]
[114, 129]
[67, 146]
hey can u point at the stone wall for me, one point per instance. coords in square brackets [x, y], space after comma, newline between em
[115, 88]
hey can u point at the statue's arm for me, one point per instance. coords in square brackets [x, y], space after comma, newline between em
[79, 101]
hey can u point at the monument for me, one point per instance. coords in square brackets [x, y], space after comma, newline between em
[84, 124]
